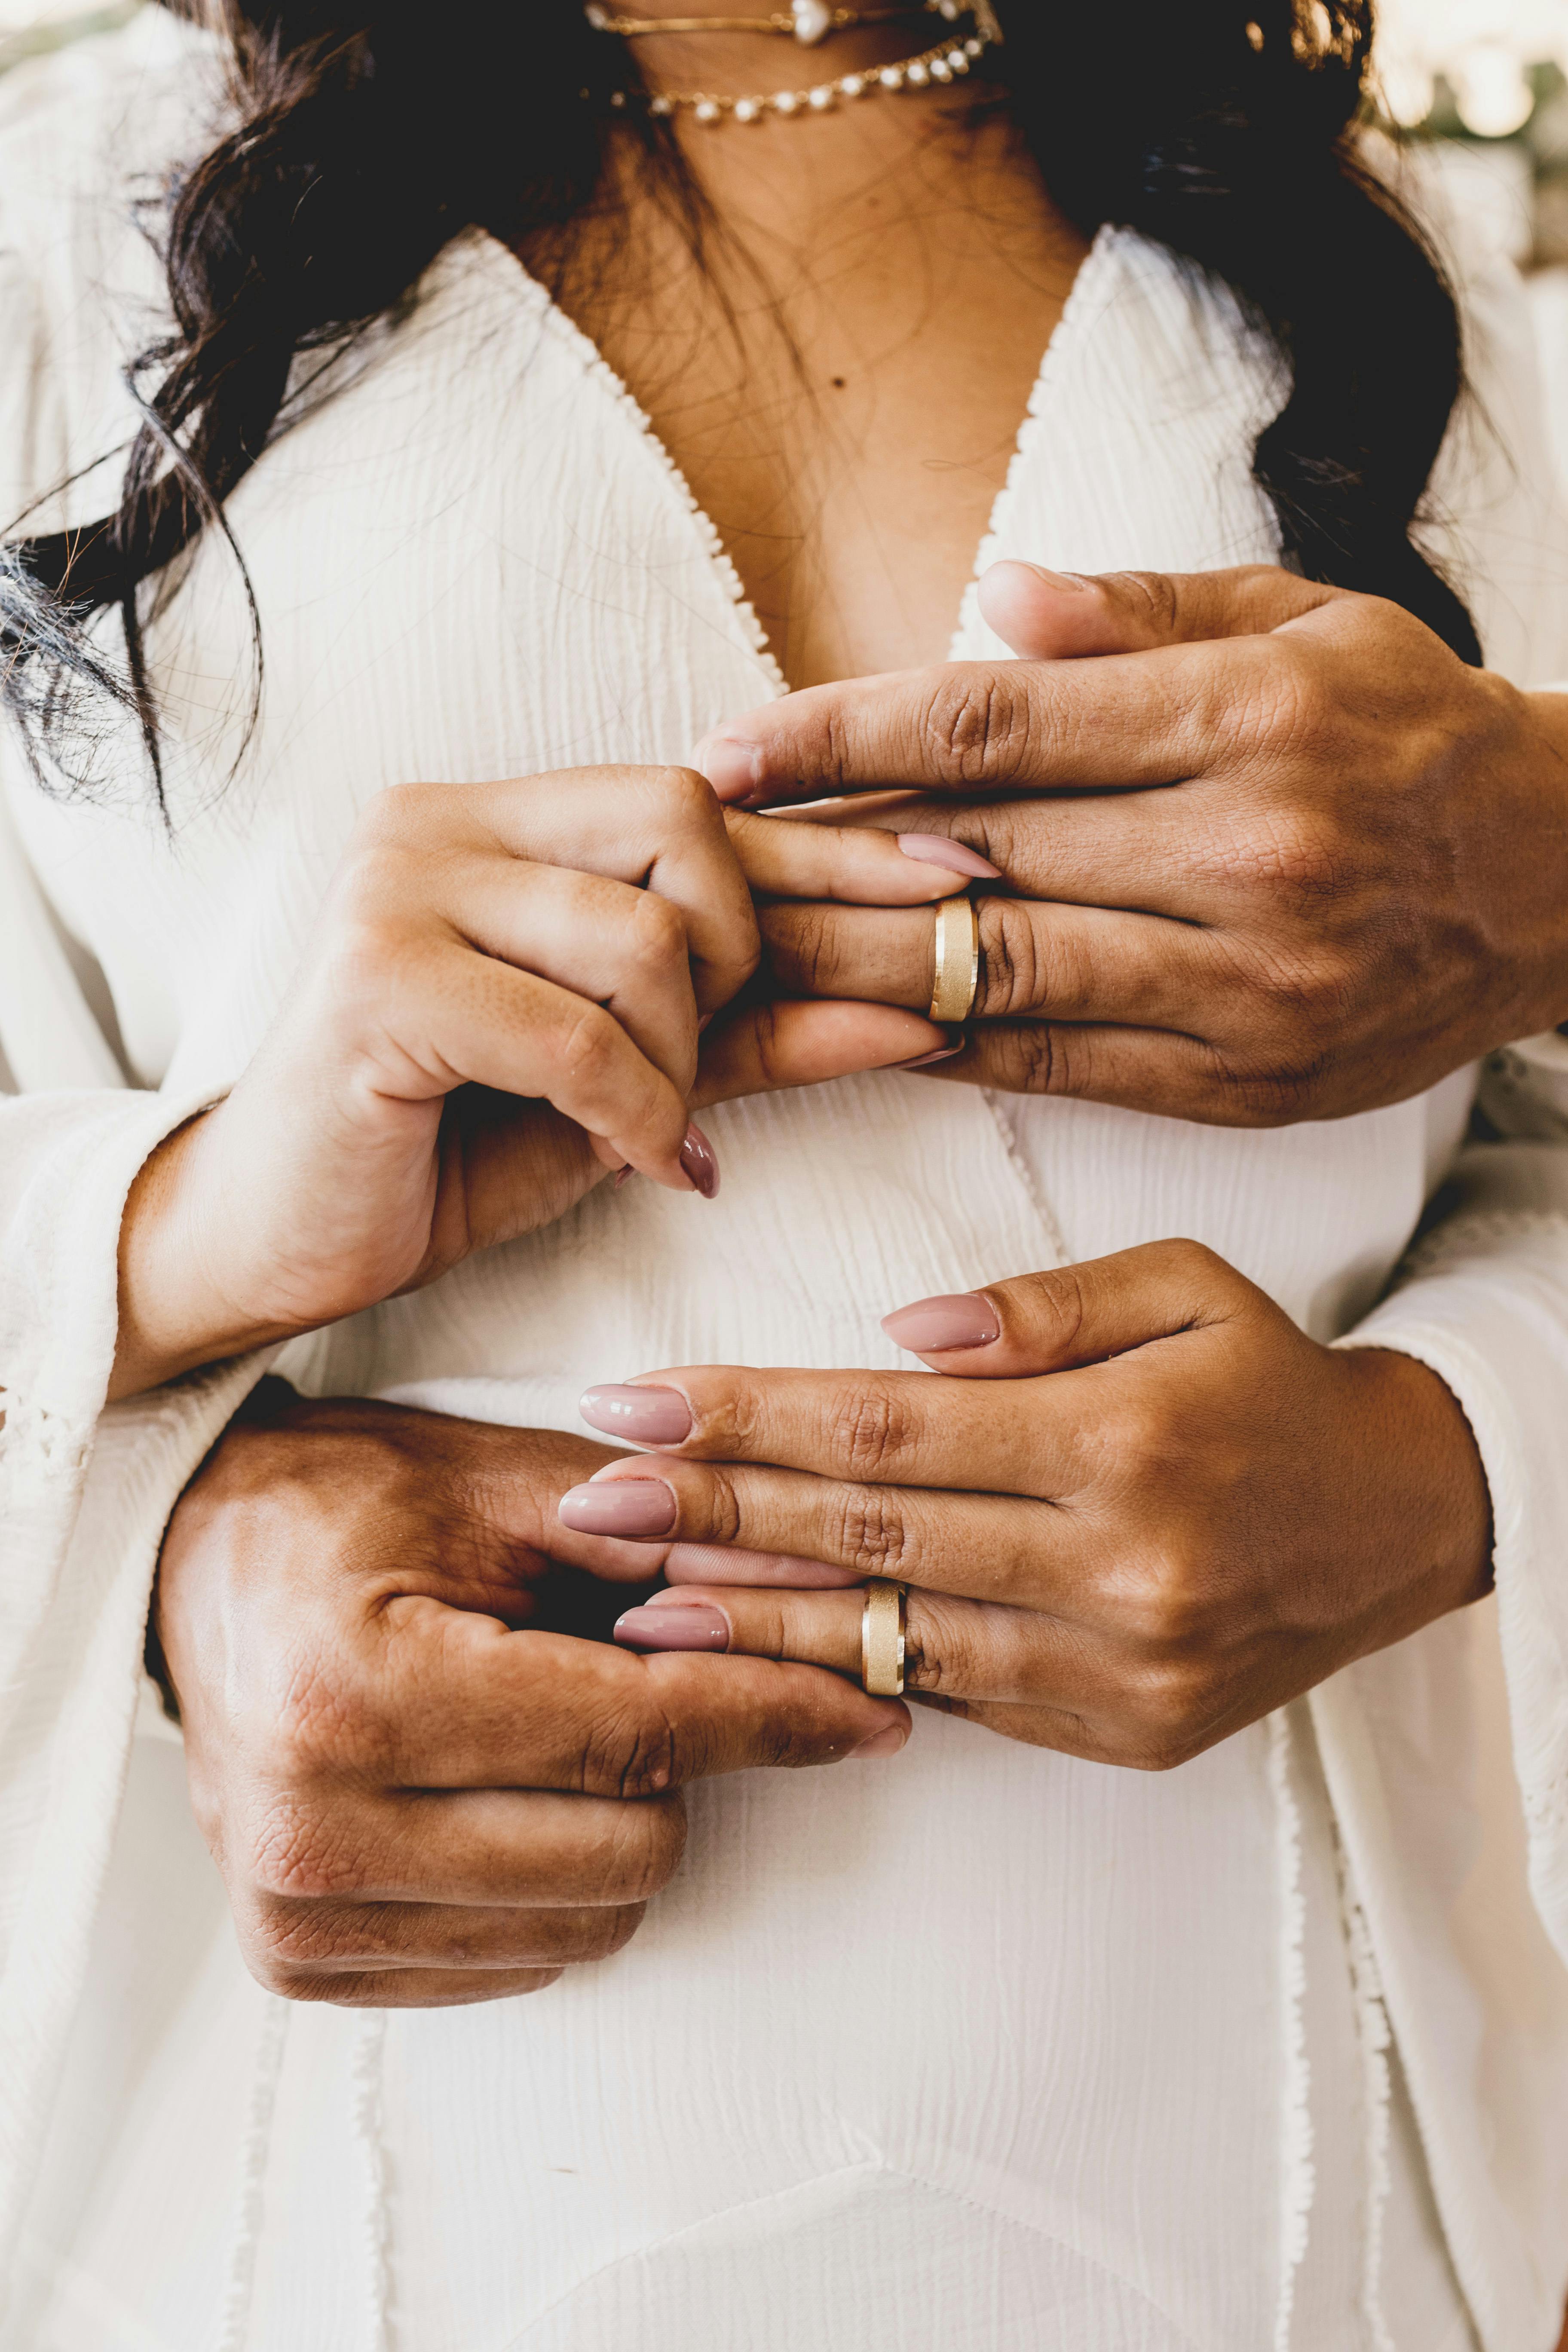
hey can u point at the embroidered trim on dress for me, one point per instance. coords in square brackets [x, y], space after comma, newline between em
[369, 2077]
[1298, 2176]
[1376, 2039]
[267, 2067]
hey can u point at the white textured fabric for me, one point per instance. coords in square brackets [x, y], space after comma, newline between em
[987, 2049]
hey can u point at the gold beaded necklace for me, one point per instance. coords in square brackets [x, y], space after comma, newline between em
[811, 21]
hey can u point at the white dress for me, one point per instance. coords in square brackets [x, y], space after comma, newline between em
[984, 2051]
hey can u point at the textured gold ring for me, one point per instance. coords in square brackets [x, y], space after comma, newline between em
[882, 1624]
[957, 981]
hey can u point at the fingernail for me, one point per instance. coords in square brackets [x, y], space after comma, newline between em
[701, 1162]
[687, 1625]
[943, 1054]
[964, 1320]
[935, 849]
[732, 765]
[648, 1416]
[1071, 583]
[882, 1743]
[624, 1507]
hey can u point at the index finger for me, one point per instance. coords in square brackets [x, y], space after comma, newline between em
[884, 1429]
[468, 1705]
[1141, 719]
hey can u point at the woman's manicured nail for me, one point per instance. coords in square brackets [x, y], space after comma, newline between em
[935, 849]
[701, 1162]
[732, 765]
[645, 1416]
[687, 1625]
[882, 1743]
[942, 1053]
[622, 1506]
[965, 1318]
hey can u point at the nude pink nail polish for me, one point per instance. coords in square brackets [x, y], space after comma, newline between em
[932, 1326]
[643, 1416]
[935, 849]
[700, 1162]
[687, 1625]
[626, 1506]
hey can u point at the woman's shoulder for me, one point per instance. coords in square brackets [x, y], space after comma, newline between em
[89, 139]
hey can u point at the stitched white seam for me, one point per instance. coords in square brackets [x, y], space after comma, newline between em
[1298, 2175]
[267, 2066]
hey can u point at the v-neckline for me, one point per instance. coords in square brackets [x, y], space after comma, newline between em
[598, 368]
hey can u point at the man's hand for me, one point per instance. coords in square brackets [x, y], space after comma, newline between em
[420, 1790]
[1296, 860]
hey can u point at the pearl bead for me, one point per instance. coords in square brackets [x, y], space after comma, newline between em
[617, 97]
[950, 9]
[972, 47]
[784, 102]
[659, 105]
[820, 99]
[957, 62]
[916, 75]
[813, 19]
[706, 111]
[941, 70]
[852, 85]
[747, 110]
[892, 78]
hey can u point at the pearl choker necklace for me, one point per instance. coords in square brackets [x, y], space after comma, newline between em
[808, 22]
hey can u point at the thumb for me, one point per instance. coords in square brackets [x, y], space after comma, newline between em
[1073, 1314]
[1056, 615]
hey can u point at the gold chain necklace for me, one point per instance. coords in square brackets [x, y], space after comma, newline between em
[946, 61]
[809, 21]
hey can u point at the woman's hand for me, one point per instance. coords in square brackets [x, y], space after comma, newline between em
[1139, 1509]
[412, 1803]
[501, 1002]
[1299, 860]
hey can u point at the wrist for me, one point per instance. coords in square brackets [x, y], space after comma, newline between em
[1439, 1518]
[174, 1313]
[1543, 856]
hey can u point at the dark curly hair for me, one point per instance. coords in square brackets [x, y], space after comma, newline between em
[1224, 128]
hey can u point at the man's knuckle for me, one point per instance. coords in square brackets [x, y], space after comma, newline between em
[975, 722]
[298, 1849]
[1152, 594]
[1039, 1058]
[644, 1851]
[876, 1430]
[872, 1535]
[631, 1750]
[1010, 958]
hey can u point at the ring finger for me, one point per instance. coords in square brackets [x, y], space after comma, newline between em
[953, 1649]
[1036, 958]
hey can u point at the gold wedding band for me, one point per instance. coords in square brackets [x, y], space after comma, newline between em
[957, 981]
[882, 1640]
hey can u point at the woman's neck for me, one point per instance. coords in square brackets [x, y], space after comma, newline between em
[840, 367]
